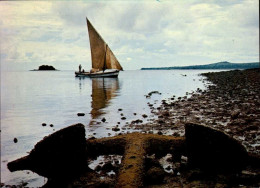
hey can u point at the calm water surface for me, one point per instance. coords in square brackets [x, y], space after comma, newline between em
[31, 98]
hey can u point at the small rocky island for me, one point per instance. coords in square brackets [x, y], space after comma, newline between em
[45, 68]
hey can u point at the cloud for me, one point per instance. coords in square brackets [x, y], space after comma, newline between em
[140, 34]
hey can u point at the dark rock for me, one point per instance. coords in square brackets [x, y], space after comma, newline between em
[166, 113]
[120, 109]
[81, 114]
[151, 162]
[176, 134]
[235, 114]
[213, 150]
[123, 118]
[51, 125]
[44, 124]
[153, 92]
[98, 168]
[160, 121]
[103, 119]
[61, 154]
[137, 121]
[144, 116]
[15, 140]
[164, 102]
[115, 129]
[155, 175]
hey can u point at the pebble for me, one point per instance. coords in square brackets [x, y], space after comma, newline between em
[81, 114]
[15, 140]
[115, 129]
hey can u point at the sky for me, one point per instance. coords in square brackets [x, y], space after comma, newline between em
[140, 33]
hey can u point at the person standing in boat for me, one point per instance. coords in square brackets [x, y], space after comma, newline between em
[79, 67]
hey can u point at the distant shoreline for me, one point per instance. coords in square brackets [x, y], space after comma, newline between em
[219, 65]
[43, 70]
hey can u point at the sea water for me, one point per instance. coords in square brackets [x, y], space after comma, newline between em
[31, 98]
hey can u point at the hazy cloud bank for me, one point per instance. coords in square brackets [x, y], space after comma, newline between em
[141, 34]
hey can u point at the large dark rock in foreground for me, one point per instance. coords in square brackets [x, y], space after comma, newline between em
[61, 154]
[213, 150]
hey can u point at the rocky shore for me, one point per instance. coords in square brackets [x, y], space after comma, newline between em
[231, 103]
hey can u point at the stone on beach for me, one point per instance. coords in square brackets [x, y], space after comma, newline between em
[81, 114]
[15, 140]
[115, 129]
[212, 149]
[60, 154]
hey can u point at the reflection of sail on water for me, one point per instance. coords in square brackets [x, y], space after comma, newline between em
[103, 90]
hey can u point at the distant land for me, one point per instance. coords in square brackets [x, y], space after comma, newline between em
[45, 68]
[219, 65]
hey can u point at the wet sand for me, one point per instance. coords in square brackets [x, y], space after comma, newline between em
[230, 103]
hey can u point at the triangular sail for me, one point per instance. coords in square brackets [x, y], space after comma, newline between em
[111, 61]
[97, 46]
[102, 56]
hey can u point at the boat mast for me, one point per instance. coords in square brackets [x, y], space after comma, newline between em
[105, 64]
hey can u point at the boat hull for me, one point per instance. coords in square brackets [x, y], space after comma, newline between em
[100, 74]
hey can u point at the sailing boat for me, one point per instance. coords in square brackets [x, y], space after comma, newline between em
[104, 62]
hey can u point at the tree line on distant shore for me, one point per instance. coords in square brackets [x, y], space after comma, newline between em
[219, 65]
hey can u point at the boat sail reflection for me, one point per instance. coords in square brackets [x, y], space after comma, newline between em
[103, 90]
